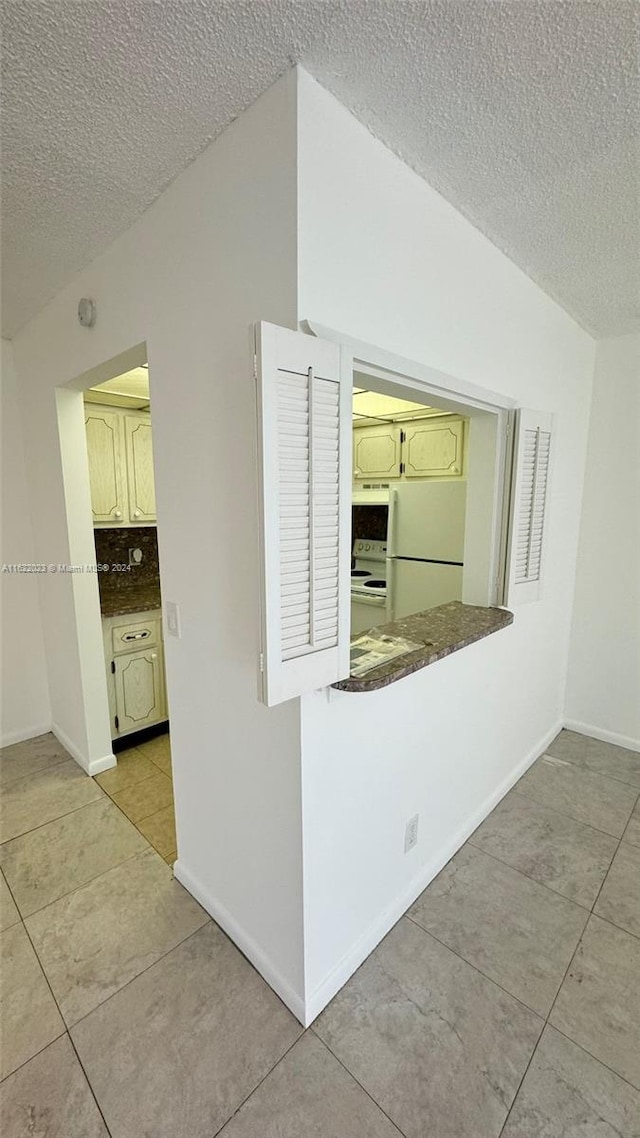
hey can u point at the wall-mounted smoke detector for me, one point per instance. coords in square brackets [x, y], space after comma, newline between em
[87, 312]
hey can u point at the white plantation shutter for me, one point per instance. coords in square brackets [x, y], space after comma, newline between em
[529, 505]
[304, 409]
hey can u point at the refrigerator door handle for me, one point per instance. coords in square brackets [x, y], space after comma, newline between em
[390, 578]
[391, 527]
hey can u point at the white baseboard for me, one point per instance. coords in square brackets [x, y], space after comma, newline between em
[91, 766]
[244, 942]
[365, 944]
[8, 738]
[601, 733]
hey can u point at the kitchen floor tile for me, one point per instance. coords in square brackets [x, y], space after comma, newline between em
[158, 751]
[604, 803]
[438, 1046]
[632, 832]
[514, 930]
[41, 797]
[592, 755]
[176, 1054]
[50, 1098]
[566, 1092]
[160, 830]
[599, 1002]
[46, 863]
[145, 798]
[171, 857]
[28, 1013]
[21, 760]
[92, 942]
[619, 900]
[549, 847]
[9, 915]
[132, 768]
[309, 1093]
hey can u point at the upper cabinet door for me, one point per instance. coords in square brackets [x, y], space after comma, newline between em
[142, 498]
[104, 450]
[376, 452]
[304, 437]
[434, 449]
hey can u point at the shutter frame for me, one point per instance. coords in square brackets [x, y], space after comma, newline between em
[529, 511]
[304, 393]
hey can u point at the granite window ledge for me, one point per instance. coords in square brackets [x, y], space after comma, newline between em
[441, 631]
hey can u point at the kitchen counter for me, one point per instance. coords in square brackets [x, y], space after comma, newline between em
[130, 600]
[441, 631]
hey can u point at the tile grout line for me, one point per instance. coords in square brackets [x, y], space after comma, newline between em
[519, 1087]
[93, 1093]
[76, 889]
[303, 1032]
[577, 821]
[48, 766]
[587, 770]
[67, 814]
[581, 1046]
[577, 949]
[351, 1075]
[140, 854]
[64, 1023]
[563, 814]
[103, 1003]
[544, 884]
[475, 967]
[547, 1021]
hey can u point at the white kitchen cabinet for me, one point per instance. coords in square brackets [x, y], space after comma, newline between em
[106, 465]
[142, 496]
[139, 690]
[134, 661]
[376, 452]
[434, 448]
[120, 454]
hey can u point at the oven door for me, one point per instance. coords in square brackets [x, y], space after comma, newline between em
[367, 611]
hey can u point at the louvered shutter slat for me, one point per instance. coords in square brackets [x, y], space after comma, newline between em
[304, 390]
[529, 506]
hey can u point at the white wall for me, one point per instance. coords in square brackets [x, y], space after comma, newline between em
[603, 686]
[216, 252]
[24, 699]
[384, 258]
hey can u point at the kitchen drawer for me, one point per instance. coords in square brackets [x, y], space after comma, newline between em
[127, 636]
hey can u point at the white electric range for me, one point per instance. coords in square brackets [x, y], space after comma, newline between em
[368, 584]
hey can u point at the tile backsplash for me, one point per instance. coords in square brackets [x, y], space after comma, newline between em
[112, 548]
[369, 521]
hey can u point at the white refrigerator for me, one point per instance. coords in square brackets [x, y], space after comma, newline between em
[425, 546]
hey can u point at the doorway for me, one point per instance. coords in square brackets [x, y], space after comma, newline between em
[118, 511]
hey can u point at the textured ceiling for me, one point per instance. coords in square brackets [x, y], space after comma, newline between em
[523, 113]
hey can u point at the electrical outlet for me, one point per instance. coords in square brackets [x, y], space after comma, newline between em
[411, 833]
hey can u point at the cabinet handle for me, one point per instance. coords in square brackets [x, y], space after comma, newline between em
[154, 655]
[136, 513]
[117, 513]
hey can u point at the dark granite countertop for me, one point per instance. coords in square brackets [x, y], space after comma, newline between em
[442, 631]
[132, 600]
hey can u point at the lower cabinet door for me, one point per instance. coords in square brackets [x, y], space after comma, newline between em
[139, 690]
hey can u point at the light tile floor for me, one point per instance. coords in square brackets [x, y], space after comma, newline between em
[142, 787]
[506, 1002]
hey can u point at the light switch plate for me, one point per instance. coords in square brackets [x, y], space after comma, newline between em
[173, 619]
